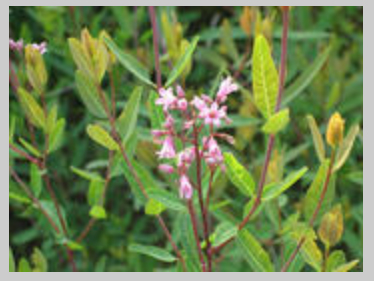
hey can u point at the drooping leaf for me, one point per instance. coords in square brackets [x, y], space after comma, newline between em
[331, 228]
[182, 62]
[154, 252]
[346, 147]
[273, 190]
[32, 109]
[256, 256]
[156, 112]
[265, 77]
[306, 77]
[154, 207]
[35, 180]
[319, 145]
[39, 261]
[277, 122]
[89, 95]
[129, 62]
[167, 198]
[238, 175]
[102, 137]
[127, 120]
[98, 212]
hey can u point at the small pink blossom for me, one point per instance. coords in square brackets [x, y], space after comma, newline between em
[168, 149]
[199, 103]
[185, 187]
[182, 104]
[214, 155]
[157, 134]
[212, 115]
[166, 168]
[42, 47]
[186, 157]
[188, 124]
[169, 123]
[180, 92]
[226, 88]
[167, 99]
[16, 45]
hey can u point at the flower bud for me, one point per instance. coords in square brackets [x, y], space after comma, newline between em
[335, 130]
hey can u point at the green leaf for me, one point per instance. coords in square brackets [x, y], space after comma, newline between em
[277, 122]
[98, 212]
[346, 267]
[88, 175]
[238, 175]
[182, 62]
[154, 252]
[312, 254]
[154, 207]
[102, 137]
[228, 41]
[346, 147]
[32, 109]
[156, 112]
[336, 258]
[74, 246]
[56, 136]
[224, 231]
[129, 62]
[34, 151]
[12, 265]
[51, 119]
[265, 77]
[49, 207]
[319, 145]
[253, 252]
[127, 120]
[24, 266]
[273, 190]
[168, 199]
[35, 180]
[39, 261]
[306, 77]
[81, 59]
[89, 95]
[314, 192]
[95, 192]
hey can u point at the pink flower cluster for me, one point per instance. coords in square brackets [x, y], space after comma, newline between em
[18, 46]
[201, 111]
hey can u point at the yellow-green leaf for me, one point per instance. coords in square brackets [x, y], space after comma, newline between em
[265, 77]
[238, 175]
[331, 228]
[256, 256]
[155, 252]
[346, 267]
[56, 136]
[81, 58]
[336, 258]
[35, 69]
[95, 192]
[317, 138]
[32, 108]
[39, 261]
[12, 265]
[346, 147]
[277, 122]
[312, 254]
[98, 212]
[154, 207]
[24, 266]
[167, 198]
[102, 137]
[30, 148]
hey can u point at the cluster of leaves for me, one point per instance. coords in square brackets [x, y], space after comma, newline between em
[321, 61]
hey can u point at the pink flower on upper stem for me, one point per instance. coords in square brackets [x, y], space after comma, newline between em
[180, 92]
[168, 150]
[167, 99]
[16, 45]
[182, 104]
[157, 134]
[185, 187]
[166, 168]
[169, 123]
[186, 157]
[226, 88]
[212, 115]
[199, 103]
[42, 47]
[214, 155]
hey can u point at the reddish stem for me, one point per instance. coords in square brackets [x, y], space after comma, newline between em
[25, 155]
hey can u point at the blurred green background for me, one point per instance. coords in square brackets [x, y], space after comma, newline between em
[337, 85]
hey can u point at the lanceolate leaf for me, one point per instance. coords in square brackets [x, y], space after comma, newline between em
[32, 108]
[89, 94]
[102, 137]
[154, 207]
[35, 180]
[126, 122]
[129, 62]
[346, 147]
[317, 138]
[39, 261]
[56, 136]
[81, 58]
[346, 267]
[238, 175]
[265, 77]
[155, 252]
[167, 198]
[336, 258]
[253, 252]
[273, 190]
[98, 212]
[34, 151]
[182, 62]
[95, 192]
[305, 78]
[277, 122]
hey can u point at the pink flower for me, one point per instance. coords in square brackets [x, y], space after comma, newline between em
[16, 46]
[226, 88]
[157, 134]
[214, 155]
[182, 104]
[186, 157]
[167, 99]
[168, 150]
[213, 115]
[169, 123]
[199, 103]
[180, 92]
[185, 188]
[42, 47]
[166, 168]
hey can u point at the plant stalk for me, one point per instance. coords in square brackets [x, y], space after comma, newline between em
[152, 15]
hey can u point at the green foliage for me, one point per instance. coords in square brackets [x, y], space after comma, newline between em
[102, 137]
[155, 252]
[277, 122]
[32, 109]
[319, 145]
